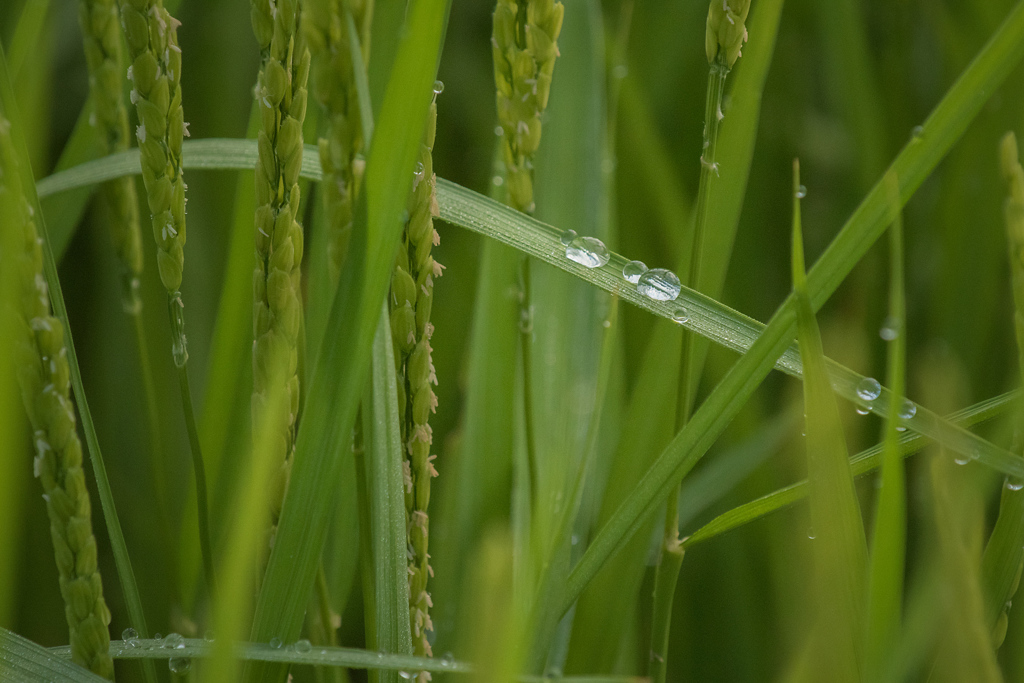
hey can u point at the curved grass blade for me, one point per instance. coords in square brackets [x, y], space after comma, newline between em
[707, 317]
[865, 462]
[22, 661]
[55, 658]
[129, 587]
[840, 550]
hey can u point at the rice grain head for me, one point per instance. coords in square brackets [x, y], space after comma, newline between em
[524, 45]
[412, 295]
[155, 71]
[102, 42]
[341, 149]
[277, 308]
[45, 380]
[726, 30]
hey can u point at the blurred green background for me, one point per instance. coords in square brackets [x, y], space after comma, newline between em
[849, 82]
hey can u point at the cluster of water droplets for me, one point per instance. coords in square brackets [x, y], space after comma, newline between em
[657, 284]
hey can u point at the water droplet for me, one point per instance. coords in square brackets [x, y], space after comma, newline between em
[303, 646]
[633, 270]
[918, 132]
[129, 634]
[179, 665]
[406, 675]
[567, 237]
[890, 329]
[174, 641]
[448, 659]
[961, 459]
[275, 643]
[620, 71]
[497, 181]
[801, 192]
[680, 315]
[499, 131]
[588, 251]
[908, 409]
[438, 87]
[811, 533]
[208, 636]
[869, 389]
[1014, 484]
[659, 284]
[553, 672]
[157, 636]
[575, 539]
[862, 410]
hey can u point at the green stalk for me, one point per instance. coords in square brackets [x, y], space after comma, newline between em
[200, 474]
[152, 37]
[725, 35]
[524, 47]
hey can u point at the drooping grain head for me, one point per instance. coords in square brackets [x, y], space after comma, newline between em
[45, 380]
[277, 306]
[334, 86]
[102, 42]
[155, 71]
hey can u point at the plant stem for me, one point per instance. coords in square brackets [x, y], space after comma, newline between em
[708, 171]
[157, 468]
[176, 310]
[666, 576]
[324, 607]
[526, 342]
[671, 559]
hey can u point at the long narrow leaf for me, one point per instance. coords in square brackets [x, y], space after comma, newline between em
[840, 550]
[885, 582]
[705, 316]
[384, 460]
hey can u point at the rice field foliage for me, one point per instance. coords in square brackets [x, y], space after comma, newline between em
[580, 454]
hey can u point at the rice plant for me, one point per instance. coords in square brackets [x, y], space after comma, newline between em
[569, 457]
